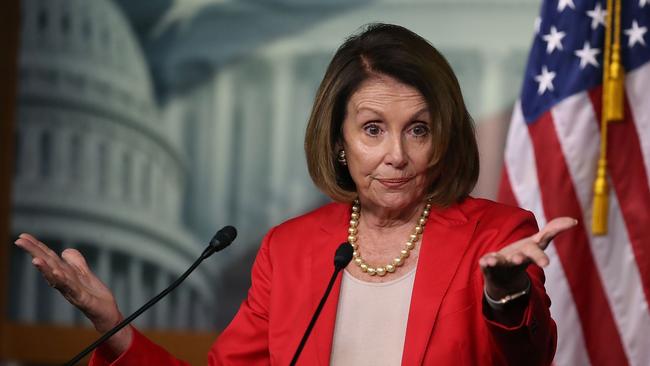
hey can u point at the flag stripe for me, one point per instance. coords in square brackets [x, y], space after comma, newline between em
[629, 179]
[523, 183]
[601, 335]
[578, 134]
[636, 86]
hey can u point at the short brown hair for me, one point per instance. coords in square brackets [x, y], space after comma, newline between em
[385, 49]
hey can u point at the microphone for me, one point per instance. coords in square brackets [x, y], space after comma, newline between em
[219, 241]
[342, 257]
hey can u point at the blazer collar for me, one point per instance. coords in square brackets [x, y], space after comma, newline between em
[444, 243]
[334, 224]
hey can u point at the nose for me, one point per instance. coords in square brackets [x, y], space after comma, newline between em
[395, 152]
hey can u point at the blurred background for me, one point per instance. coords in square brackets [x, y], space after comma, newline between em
[142, 127]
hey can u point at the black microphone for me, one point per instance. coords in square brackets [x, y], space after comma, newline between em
[219, 241]
[342, 257]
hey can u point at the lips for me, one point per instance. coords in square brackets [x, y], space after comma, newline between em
[394, 182]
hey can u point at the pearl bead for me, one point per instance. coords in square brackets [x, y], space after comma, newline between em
[404, 253]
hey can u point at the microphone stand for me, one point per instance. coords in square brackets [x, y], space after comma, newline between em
[342, 257]
[221, 239]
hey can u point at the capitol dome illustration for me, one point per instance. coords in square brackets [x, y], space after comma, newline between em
[98, 169]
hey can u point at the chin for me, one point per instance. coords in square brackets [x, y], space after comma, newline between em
[396, 201]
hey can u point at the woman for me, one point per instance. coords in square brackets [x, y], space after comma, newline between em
[437, 277]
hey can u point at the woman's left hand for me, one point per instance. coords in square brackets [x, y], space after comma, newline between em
[504, 271]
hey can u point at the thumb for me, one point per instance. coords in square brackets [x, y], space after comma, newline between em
[74, 258]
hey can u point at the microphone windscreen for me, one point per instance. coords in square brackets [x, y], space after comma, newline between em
[223, 237]
[343, 255]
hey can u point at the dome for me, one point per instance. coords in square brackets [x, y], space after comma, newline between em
[96, 169]
[84, 49]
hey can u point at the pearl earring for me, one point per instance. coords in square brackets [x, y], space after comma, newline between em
[341, 158]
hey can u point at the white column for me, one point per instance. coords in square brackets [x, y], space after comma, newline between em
[137, 296]
[28, 285]
[60, 151]
[221, 174]
[30, 150]
[492, 88]
[162, 309]
[182, 310]
[283, 84]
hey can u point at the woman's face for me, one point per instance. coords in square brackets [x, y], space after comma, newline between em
[387, 141]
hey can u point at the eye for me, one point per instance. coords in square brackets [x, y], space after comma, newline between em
[420, 130]
[372, 129]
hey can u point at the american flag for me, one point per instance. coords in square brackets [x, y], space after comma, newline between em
[599, 285]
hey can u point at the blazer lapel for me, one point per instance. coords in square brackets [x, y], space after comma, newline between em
[444, 243]
[322, 257]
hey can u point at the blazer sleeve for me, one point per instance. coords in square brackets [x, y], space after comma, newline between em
[533, 341]
[246, 339]
[141, 351]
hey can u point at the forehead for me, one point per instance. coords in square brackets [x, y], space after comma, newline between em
[382, 90]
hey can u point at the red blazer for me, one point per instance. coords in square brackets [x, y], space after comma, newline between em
[447, 324]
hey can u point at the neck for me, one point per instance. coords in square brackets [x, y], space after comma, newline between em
[377, 217]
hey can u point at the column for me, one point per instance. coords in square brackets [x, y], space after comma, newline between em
[183, 308]
[137, 291]
[161, 311]
[282, 85]
[27, 290]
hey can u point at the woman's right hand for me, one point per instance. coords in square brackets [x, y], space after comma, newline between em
[70, 275]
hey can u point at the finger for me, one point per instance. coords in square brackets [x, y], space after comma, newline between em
[44, 248]
[517, 259]
[31, 248]
[74, 258]
[38, 251]
[536, 255]
[553, 228]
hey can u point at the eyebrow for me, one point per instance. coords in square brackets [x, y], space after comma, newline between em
[418, 113]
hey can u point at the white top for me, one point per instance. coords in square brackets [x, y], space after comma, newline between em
[371, 321]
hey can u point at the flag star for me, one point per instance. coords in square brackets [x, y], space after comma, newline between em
[597, 16]
[538, 24]
[553, 40]
[562, 4]
[642, 3]
[587, 55]
[635, 34]
[545, 80]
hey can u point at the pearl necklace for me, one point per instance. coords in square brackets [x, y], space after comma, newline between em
[403, 254]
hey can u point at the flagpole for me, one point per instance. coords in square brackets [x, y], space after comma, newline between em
[612, 110]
